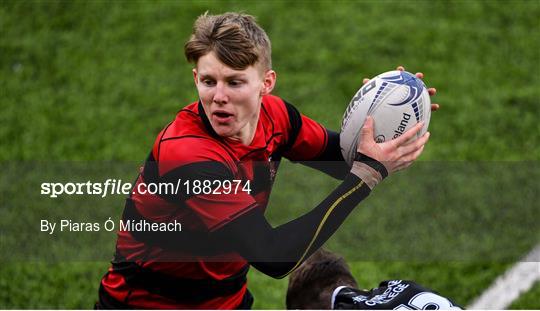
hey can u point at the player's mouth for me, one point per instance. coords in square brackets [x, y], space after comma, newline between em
[222, 116]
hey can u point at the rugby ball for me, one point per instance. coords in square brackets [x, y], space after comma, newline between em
[396, 100]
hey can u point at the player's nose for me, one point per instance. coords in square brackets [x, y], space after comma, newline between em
[220, 95]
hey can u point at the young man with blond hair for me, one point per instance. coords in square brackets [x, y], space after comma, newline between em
[236, 133]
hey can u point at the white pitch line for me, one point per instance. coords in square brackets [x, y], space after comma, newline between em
[509, 286]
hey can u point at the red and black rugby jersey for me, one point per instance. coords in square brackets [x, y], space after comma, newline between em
[188, 149]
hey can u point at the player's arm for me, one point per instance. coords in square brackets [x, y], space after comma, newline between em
[278, 251]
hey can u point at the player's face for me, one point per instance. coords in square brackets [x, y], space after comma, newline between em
[232, 98]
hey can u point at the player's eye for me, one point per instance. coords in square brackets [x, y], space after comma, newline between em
[208, 82]
[235, 83]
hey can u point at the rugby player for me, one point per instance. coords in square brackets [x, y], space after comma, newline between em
[324, 281]
[236, 131]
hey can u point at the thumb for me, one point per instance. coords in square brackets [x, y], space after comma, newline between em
[366, 133]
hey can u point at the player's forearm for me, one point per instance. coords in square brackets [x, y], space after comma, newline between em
[303, 236]
[278, 251]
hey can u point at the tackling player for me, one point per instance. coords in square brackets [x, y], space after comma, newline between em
[324, 281]
[236, 131]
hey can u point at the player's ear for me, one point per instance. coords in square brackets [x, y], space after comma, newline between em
[195, 76]
[269, 81]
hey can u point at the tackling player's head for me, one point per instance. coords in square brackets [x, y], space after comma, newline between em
[312, 284]
[236, 39]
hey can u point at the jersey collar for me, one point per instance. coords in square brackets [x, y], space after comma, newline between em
[206, 122]
[259, 140]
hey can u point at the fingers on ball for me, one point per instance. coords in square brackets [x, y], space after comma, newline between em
[409, 134]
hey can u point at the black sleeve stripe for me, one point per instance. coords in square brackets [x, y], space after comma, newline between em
[295, 119]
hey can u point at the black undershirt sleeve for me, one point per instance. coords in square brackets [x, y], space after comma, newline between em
[279, 251]
[331, 161]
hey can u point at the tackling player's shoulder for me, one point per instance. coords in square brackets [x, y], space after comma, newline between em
[390, 295]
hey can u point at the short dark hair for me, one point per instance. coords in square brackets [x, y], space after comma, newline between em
[236, 38]
[312, 284]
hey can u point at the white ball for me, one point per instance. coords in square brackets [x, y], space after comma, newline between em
[397, 100]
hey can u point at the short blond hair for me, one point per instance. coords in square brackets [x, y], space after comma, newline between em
[236, 38]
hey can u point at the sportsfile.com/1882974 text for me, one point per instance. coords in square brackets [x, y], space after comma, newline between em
[117, 187]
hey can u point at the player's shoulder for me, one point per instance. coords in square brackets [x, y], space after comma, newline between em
[280, 111]
[274, 105]
[187, 122]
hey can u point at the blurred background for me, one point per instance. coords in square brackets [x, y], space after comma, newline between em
[93, 82]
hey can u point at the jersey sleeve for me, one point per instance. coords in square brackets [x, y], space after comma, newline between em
[391, 295]
[313, 144]
[306, 138]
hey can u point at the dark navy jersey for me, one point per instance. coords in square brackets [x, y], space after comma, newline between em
[391, 295]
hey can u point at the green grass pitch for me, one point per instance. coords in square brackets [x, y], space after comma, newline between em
[94, 82]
